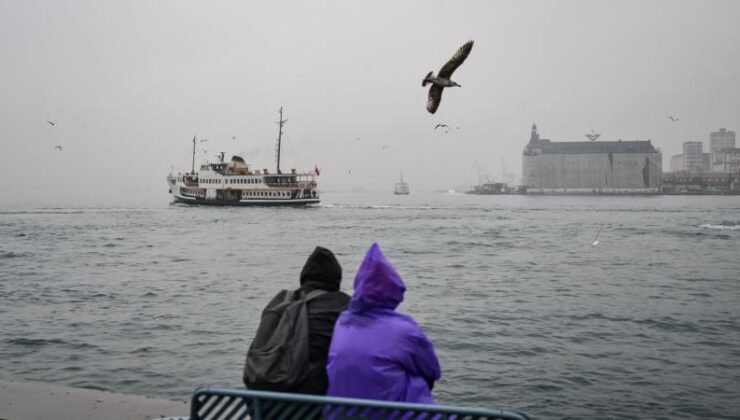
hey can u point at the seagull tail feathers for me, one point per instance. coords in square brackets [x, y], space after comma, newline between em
[425, 81]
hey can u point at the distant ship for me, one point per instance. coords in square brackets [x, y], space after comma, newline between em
[489, 188]
[402, 187]
[234, 183]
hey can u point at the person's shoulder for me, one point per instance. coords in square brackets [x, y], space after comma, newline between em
[407, 321]
[333, 294]
[341, 296]
[334, 298]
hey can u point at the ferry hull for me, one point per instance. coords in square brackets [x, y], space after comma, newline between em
[246, 203]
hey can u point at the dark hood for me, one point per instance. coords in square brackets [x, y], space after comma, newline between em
[322, 271]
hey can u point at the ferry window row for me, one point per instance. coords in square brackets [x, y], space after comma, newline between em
[232, 181]
[243, 181]
[267, 194]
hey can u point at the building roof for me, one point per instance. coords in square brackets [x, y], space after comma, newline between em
[545, 146]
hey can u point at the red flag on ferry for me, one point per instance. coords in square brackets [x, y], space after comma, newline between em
[316, 170]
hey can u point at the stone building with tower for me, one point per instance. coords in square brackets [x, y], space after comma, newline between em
[590, 167]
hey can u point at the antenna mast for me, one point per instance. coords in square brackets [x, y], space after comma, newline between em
[192, 168]
[280, 135]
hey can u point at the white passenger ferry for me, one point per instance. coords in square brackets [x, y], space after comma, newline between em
[234, 183]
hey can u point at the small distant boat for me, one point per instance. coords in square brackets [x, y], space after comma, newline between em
[402, 187]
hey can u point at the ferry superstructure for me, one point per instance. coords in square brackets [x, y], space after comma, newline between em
[234, 183]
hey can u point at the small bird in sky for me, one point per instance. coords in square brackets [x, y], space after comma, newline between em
[204, 140]
[442, 79]
[672, 118]
[445, 126]
[596, 238]
[51, 123]
[233, 137]
[58, 148]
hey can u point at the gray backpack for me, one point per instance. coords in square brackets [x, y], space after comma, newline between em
[277, 359]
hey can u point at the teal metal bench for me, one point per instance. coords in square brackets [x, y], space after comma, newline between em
[218, 403]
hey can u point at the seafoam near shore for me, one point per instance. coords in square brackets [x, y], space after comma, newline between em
[24, 400]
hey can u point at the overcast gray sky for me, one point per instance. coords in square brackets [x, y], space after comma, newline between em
[130, 83]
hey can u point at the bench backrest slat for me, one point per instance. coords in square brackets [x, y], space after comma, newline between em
[220, 403]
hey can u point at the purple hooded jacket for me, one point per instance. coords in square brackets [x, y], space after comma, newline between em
[376, 352]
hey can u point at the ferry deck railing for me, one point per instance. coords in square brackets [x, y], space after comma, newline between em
[209, 403]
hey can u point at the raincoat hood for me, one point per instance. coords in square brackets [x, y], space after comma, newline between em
[377, 283]
[322, 271]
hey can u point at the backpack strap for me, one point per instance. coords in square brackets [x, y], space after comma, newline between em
[314, 294]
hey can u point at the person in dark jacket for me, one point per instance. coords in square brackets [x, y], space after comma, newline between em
[323, 272]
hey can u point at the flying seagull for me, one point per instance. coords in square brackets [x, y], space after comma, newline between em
[58, 148]
[52, 123]
[672, 118]
[442, 79]
[203, 140]
[596, 238]
[441, 125]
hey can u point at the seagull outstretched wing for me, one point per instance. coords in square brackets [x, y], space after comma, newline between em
[596, 238]
[435, 97]
[457, 59]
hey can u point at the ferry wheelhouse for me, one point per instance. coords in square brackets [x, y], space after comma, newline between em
[234, 183]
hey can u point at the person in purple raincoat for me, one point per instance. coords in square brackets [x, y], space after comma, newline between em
[376, 352]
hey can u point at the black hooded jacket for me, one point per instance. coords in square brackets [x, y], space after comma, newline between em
[321, 271]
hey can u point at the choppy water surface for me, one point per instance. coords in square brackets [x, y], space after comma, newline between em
[524, 311]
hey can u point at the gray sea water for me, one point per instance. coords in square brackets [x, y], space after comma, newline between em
[524, 311]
